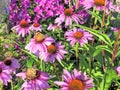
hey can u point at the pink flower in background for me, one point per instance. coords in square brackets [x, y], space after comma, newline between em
[23, 28]
[78, 35]
[53, 27]
[39, 42]
[68, 15]
[34, 80]
[54, 51]
[11, 64]
[99, 4]
[75, 81]
[36, 27]
[117, 69]
[91, 3]
[5, 76]
[115, 29]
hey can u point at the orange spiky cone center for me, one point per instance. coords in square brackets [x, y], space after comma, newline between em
[36, 24]
[68, 12]
[76, 84]
[78, 35]
[99, 2]
[24, 24]
[52, 48]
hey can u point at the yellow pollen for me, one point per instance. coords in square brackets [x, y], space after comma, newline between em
[78, 35]
[76, 85]
[52, 49]
[36, 24]
[24, 24]
[39, 37]
[99, 2]
[68, 12]
[31, 73]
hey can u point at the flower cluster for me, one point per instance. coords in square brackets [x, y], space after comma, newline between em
[51, 28]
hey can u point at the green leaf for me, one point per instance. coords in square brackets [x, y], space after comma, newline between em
[110, 76]
[102, 37]
[96, 52]
[31, 55]
[103, 47]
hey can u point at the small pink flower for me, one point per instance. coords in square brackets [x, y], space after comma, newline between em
[78, 35]
[39, 43]
[34, 80]
[54, 51]
[23, 28]
[118, 70]
[53, 27]
[36, 27]
[68, 16]
[75, 81]
[5, 76]
[115, 29]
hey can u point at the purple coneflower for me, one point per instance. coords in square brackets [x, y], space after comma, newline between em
[78, 35]
[91, 3]
[34, 80]
[68, 16]
[36, 27]
[22, 28]
[54, 51]
[5, 76]
[39, 42]
[99, 4]
[76, 81]
[11, 64]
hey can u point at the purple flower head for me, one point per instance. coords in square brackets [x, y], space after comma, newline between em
[75, 81]
[78, 35]
[54, 51]
[11, 64]
[39, 42]
[34, 79]
[5, 76]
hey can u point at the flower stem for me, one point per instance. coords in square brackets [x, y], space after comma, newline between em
[76, 53]
[62, 65]
[41, 65]
[115, 49]
[69, 3]
[12, 85]
[1, 86]
[103, 24]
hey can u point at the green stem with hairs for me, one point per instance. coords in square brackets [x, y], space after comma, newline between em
[76, 53]
[12, 85]
[41, 65]
[62, 65]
